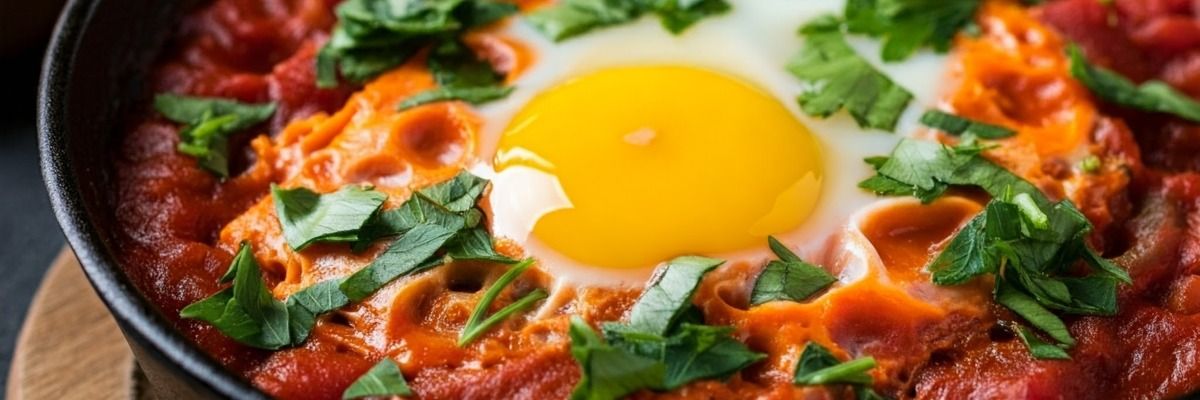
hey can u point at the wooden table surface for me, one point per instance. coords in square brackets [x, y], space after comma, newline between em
[70, 347]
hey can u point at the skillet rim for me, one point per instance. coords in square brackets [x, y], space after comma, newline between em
[140, 322]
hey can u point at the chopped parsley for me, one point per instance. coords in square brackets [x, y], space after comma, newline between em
[208, 123]
[789, 278]
[246, 311]
[664, 344]
[908, 25]
[460, 75]
[817, 366]
[959, 126]
[373, 36]
[474, 95]
[438, 224]
[925, 170]
[1039, 348]
[382, 380]
[669, 294]
[570, 18]
[308, 217]
[1027, 242]
[608, 372]
[692, 351]
[411, 253]
[1090, 164]
[1153, 95]
[477, 325]
[838, 78]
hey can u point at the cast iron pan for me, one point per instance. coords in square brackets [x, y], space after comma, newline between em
[94, 70]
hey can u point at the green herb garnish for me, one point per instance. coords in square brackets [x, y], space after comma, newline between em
[1039, 348]
[437, 225]
[476, 325]
[308, 217]
[838, 78]
[1153, 95]
[570, 18]
[1090, 164]
[669, 294]
[411, 253]
[473, 95]
[908, 25]
[665, 342]
[373, 36]
[959, 126]
[817, 366]
[789, 278]
[306, 305]
[691, 352]
[925, 170]
[1021, 237]
[382, 380]
[246, 311]
[460, 75]
[607, 372]
[208, 123]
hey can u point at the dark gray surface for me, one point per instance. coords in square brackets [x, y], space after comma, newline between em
[29, 236]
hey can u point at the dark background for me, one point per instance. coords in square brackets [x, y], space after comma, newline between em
[29, 236]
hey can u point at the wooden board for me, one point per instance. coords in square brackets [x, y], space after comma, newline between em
[70, 347]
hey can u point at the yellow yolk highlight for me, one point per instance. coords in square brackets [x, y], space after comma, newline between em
[660, 161]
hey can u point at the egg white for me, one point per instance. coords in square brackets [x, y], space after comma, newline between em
[752, 42]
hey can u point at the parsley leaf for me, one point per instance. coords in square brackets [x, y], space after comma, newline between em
[817, 366]
[449, 204]
[908, 25]
[373, 36]
[308, 217]
[607, 372]
[1023, 238]
[669, 294]
[411, 253]
[677, 15]
[1039, 348]
[208, 123]
[416, 211]
[306, 305]
[964, 258]
[926, 169]
[789, 278]
[1033, 312]
[475, 244]
[459, 194]
[246, 311]
[958, 126]
[698, 352]
[667, 331]
[474, 95]
[692, 352]
[382, 380]
[476, 325]
[570, 18]
[838, 78]
[461, 75]
[1153, 95]
[441, 218]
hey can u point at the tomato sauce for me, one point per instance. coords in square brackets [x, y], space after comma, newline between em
[180, 225]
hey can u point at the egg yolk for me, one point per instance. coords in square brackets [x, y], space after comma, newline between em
[660, 161]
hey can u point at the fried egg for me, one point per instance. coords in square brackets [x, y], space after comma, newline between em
[628, 146]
